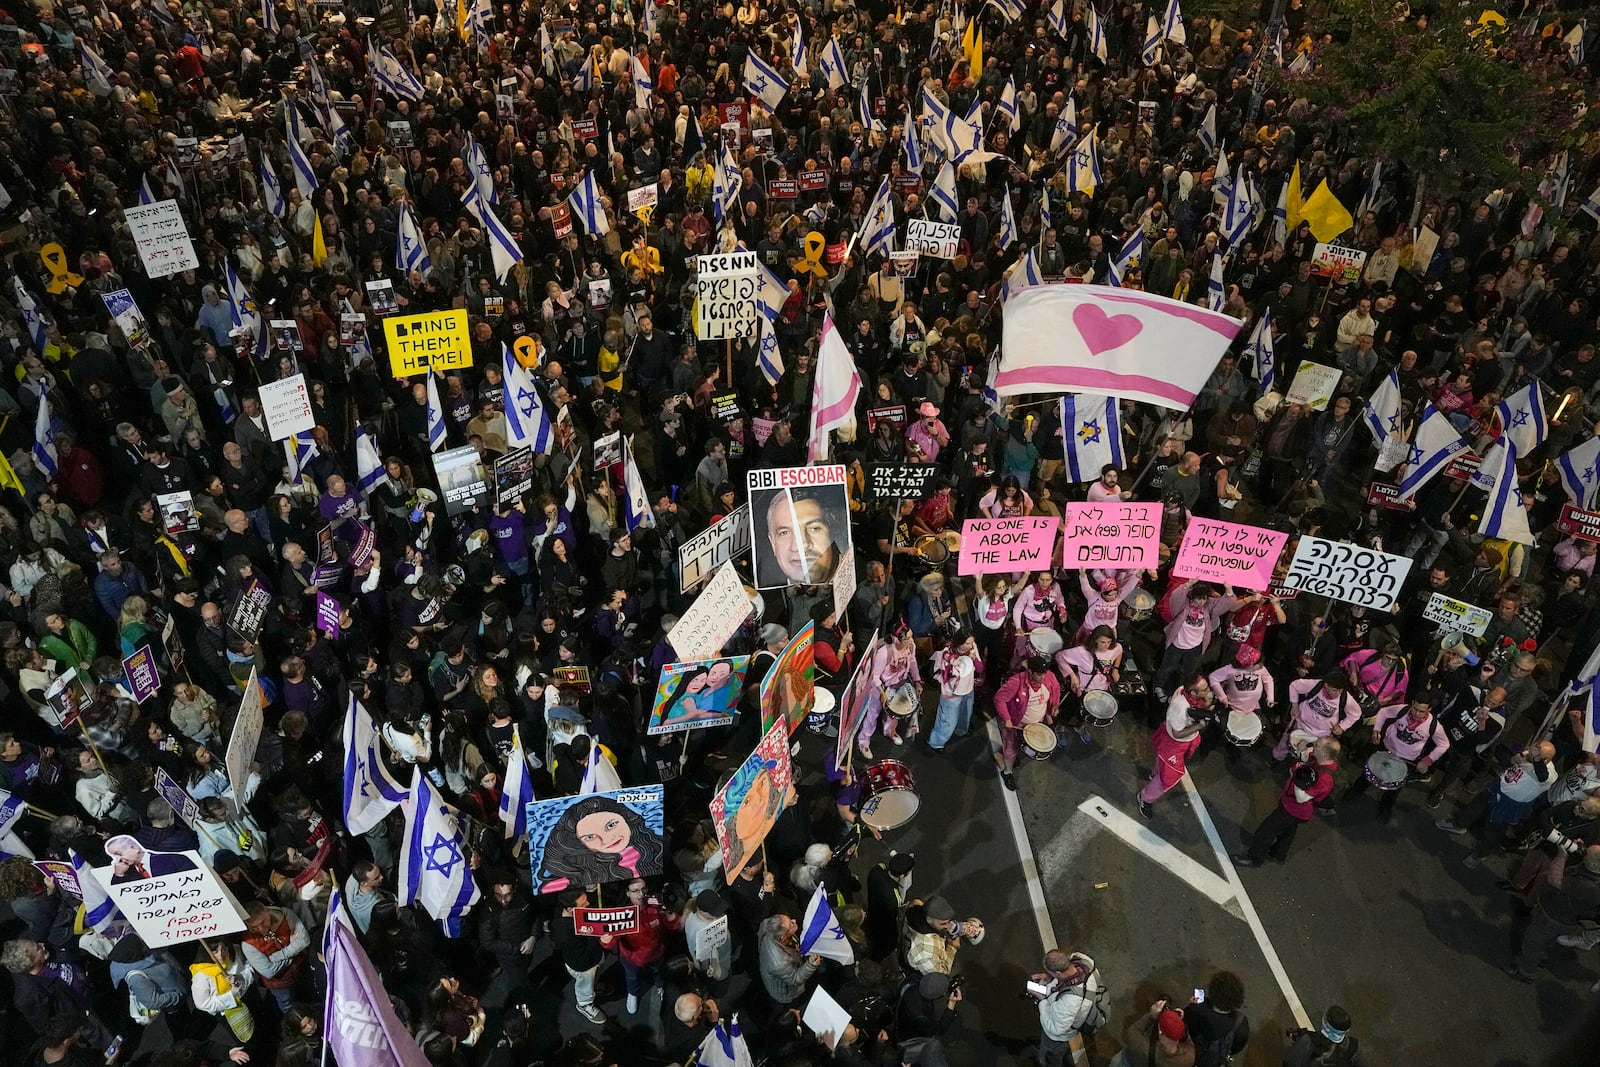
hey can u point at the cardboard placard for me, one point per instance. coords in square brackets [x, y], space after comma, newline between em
[844, 585]
[1386, 495]
[1339, 262]
[990, 546]
[513, 476]
[177, 512]
[140, 671]
[1230, 553]
[162, 238]
[644, 196]
[244, 739]
[1576, 522]
[286, 403]
[716, 613]
[328, 611]
[1124, 535]
[697, 694]
[1314, 385]
[799, 524]
[725, 406]
[938, 239]
[604, 922]
[723, 541]
[436, 341]
[178, 798]
[585, 129]
[380, 296]
[726, 287]
[901, 481]
[463, 484]
[895, 413]
[68, 697]
[250, 611]
[812, 181]
[285, 335]
[749, 803]
[1455, 614]
[177, 899]
[1347, 572]
[783, 189]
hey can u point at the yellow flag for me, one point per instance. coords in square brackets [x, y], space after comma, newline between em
[461, 18]
[1293, 206]
[1327, 216]
[975, 60]
[968, 37]
[319, 247]
[9, 479]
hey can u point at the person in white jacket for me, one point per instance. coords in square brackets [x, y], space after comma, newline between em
[218, 988]
[99, 793]
[1071, 996]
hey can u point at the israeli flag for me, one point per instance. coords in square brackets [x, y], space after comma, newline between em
[1091, 428]
[435, 868]
[435, 414]
[300, 450]
[635, 499]
[410, 251]
[797, 47]
[822, 935]
[1591, 204]
[585, 200]
[1065, 135]
[1382, 413]
[724, 1046]
[1522, 418]
[1057, 18]
[727, 179]
[503, 248]
[599, 776]
[369, 464]
[1216, 291]
[146, 194]
[305, 179]
[1208, 131]
[371, 791]
[32, 318]
[1435, 443]
[269, 16]
[991, 394]
[1097, 33]
[1172, 24]
[642, 85]
[1150, 54]
[1506, 515]
[1578, 472]
[938, 118]
[772, 294]
[868, 120]
[547, 50]
[831, 63]
[583, 78]
[295, 122]
[944, 193]
[762, 82]
[878, 231]
[1044, 211]
[44, 447]
[516, 792]
[1280, 217]
[1221, 183]
[1083, 166]
[961, 137]
[244, 308]
[526, 421]
[1131, 253]
[1011, 9]
[1024, 275]
[913, 145]
[98, 910]
[768, 358]
[1236, 217]
[271, 188]
[1008, 105]
[96, 75]
[650, 19]
[1008, 221]
[391, 76]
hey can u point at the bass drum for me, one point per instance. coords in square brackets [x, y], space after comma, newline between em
[889, 797]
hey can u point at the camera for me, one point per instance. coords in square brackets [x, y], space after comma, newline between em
[1564, 843]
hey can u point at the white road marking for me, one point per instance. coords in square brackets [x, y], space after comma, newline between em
[1163, 852]
[1249, 909]
[1030, 869]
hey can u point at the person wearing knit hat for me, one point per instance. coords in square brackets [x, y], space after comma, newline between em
[935, 935]
[1159, 1037]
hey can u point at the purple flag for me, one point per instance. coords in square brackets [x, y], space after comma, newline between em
[362, 1027]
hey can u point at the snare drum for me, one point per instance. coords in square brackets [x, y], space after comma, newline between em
[1140, 606]
[1100, 707]
[821, 709]
[902, 702]
[931, 550]
[951, 539]
[1386, 771]
[1038, 741]
[1243, 728]
[888, 795]
[1045, 642]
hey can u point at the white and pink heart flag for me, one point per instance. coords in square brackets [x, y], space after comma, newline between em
[1119, 342]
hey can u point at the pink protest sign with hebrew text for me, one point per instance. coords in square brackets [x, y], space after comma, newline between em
[1230, 553]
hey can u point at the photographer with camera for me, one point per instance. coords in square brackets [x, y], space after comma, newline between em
[1310, 783]
[1071, 998]
[1189, 711]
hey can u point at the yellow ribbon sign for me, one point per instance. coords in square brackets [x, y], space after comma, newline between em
[527, 352]
[814, 246]
[61, 275]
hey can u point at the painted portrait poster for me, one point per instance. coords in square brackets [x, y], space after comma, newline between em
[751, 800]
[790, 688]
[853, 705]
[698, 693]
[799, 524]
[597, 837]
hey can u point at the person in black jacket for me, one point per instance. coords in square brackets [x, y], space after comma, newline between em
[580, 955]
[1216, 1025]
[506, 931]
[887, 886]
[44, 989]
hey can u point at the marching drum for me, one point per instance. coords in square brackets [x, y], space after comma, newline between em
[1386, 771]
[1100, 707]
[1300, 742]
[1140, 606]
[1243, 728]
[931, 550]
[888, 795]
[821, 709]
[1045, 642]
[902, 702]
[1038, 741]
[951, 539]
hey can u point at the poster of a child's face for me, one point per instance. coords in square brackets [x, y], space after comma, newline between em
[596, 838]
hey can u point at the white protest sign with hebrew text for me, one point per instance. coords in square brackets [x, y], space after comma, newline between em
[1347, 572]
[938, 239]
[726, 539]
[167, 897]
[716, 613]
[726, 287]
[244, 739]
[1314, 385]
[1455, 614]
[287, 406]
[162, 238]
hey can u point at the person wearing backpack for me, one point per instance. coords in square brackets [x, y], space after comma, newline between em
[1071, 996]
[1219, 1029]
[1331, 1045]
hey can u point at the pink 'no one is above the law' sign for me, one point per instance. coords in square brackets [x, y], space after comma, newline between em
[1229, 552]
[990, 546]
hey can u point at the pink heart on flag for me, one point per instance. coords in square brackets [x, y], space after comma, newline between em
[1102, 332]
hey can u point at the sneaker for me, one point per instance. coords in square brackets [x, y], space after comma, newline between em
[1472, 861]
[1160, 695]
[1514, 972]
[1242, 859]
[1573, 941]
[592, 1013]
[1009, 779]
[1449, 827]
[896, 738]
[1435, 799]
[633, 1004]
[1146, 810]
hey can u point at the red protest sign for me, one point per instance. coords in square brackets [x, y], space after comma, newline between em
[600, 922]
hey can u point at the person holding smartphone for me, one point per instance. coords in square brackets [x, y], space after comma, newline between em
[1071, 997]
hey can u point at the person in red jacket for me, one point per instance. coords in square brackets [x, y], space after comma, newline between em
[78, 474]
[1309, 784]
[641, 952]
[1031, 695]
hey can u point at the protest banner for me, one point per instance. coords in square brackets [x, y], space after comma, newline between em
[381, 297]
[463, 485]
[328, 611]
[1230, 553]
[905, 263]
[812, 181]
[895, 413]
[162, 238]
[745, 808]
[1339, 262]
[250, 610]
[63, 875]
[726, 539]
[825, 1017]
[245, 737]
[716, 613]
[436, 341]
[140, 671]
[844, 587]
[513, 476]
[697, 694]
[725, 406]
[1313, 385]
[1575, 522]
[177, 798]
[644, 196]
[1455, 614]
[789, 689]
[129, 319]
[607, 450]
[712, 936]
[178, 514]
[938, 239]
[594, 838]
[1123, 535]
[1387, 495]
[573, 678]
[782, 189]
[989, 546]
[286, 403]
[586, 129]
[605, 922]
[799, 524]
[900, 481]
[167, 897]
[1345, 572]
[285, 335]
[726, 287]
[68, 697]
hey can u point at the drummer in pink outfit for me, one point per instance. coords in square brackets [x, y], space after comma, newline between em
[1028, 696]
[1105, 596]
[1320, 708]
[1379, 676]
[1039, 606]
[1245, 684]
[1410, 732]
[893, 665]
[1188, 712]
